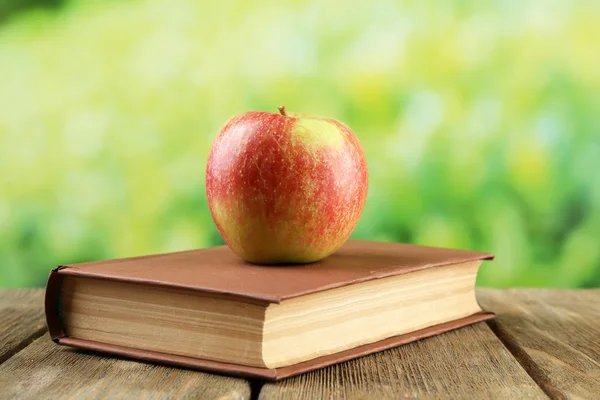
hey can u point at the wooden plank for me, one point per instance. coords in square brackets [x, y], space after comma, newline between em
[22, 316]
[46, 370]
[468, 363]
[555, 334]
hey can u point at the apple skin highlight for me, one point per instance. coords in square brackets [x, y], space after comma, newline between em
[285, 188]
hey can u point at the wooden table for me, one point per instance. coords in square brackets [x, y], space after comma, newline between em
[544, 343]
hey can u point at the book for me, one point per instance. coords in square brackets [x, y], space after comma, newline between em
[210, 310]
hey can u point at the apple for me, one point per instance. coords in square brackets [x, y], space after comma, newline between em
[285, 187]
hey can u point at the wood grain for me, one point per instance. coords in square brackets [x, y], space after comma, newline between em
[552, 334]
[46, 370]
[555, 334]
[467, 363]
[22, 316]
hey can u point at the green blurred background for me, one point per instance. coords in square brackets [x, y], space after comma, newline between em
[480, 121]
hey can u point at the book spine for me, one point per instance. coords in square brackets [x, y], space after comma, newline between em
[52, 305]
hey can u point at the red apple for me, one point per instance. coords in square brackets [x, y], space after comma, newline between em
[285, 187]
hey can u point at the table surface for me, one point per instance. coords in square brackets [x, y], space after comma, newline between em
[544, 343]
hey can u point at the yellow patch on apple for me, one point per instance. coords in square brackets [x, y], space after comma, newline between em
[318, 132]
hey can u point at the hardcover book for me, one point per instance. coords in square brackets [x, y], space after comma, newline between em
[209, 310]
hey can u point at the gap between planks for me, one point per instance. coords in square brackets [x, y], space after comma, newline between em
[23, 321]
[23, 344]
[530, 366]
[552, 333]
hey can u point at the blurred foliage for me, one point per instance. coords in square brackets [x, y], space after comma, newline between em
[8, 8]
[480, 121]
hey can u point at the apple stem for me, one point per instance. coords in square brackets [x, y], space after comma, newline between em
[282, 110]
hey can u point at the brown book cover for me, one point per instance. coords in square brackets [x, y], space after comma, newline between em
[218, 270]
